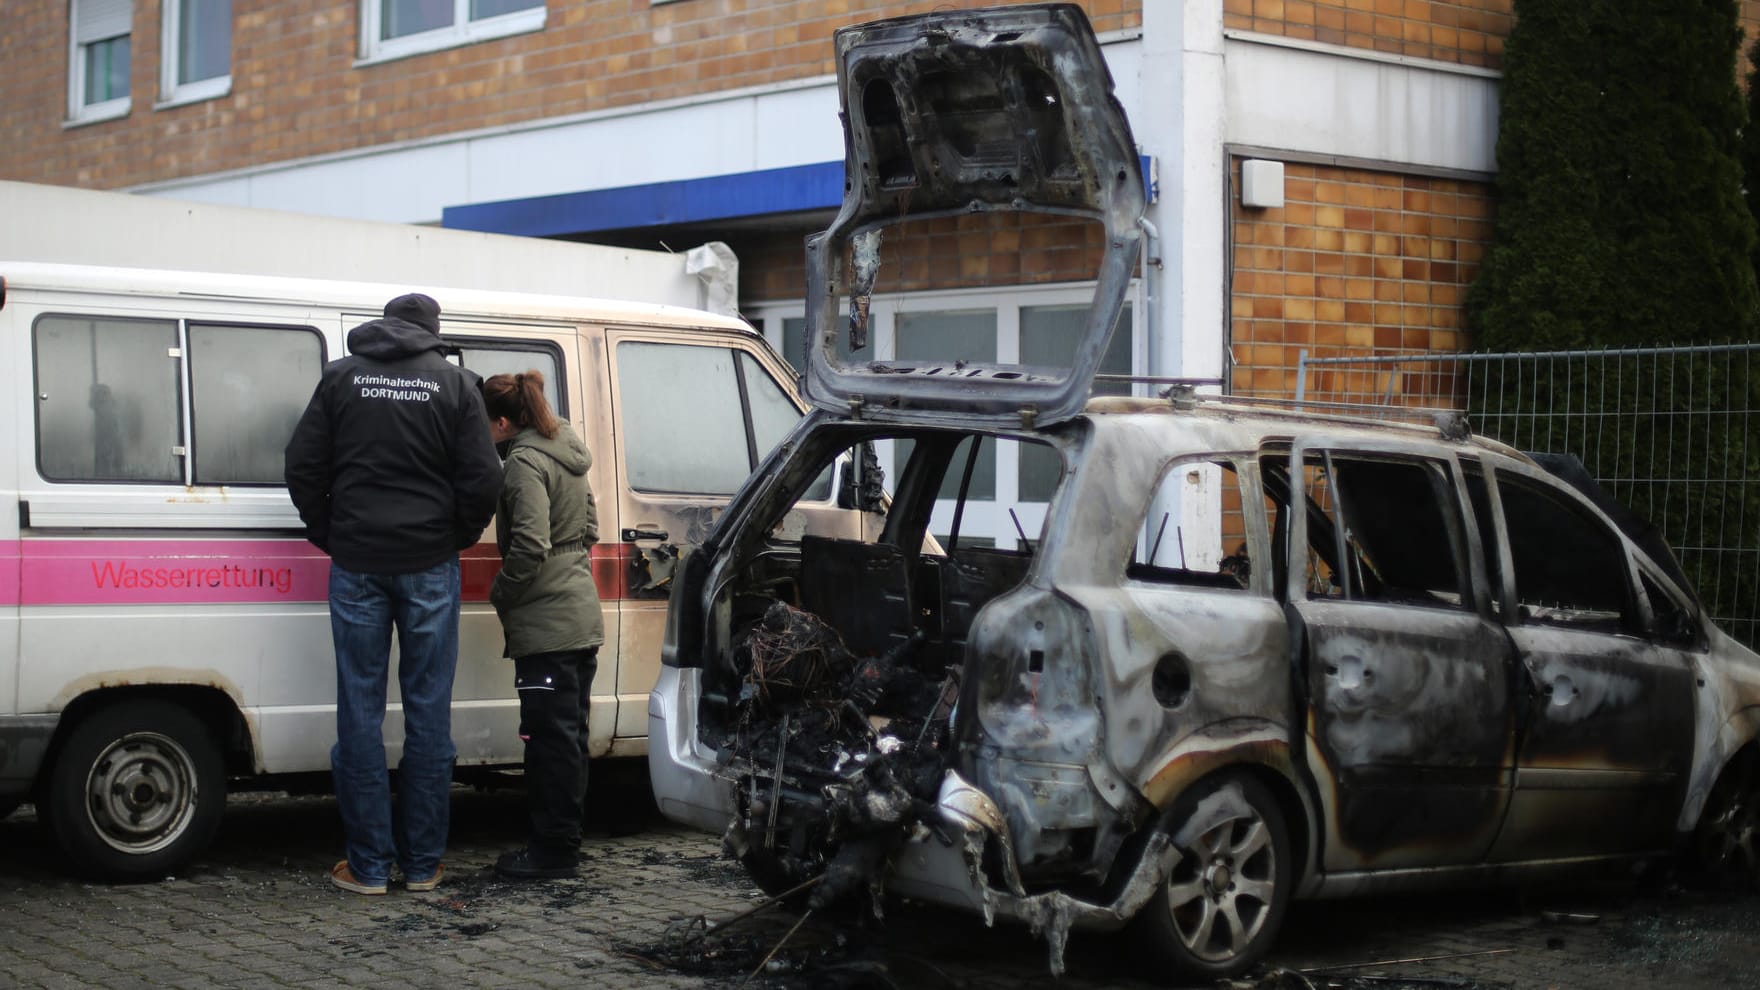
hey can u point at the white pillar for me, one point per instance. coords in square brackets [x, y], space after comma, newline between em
[1181, 125]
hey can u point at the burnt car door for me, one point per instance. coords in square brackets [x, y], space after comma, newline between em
[1408, 724]
[1606, 697]
[969, 116]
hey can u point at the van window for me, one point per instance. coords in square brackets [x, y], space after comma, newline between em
[107, 399]
[110, 399]
[696, 420]
[248, 386]
[489, 360]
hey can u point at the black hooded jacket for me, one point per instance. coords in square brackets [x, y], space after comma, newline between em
[391, 466]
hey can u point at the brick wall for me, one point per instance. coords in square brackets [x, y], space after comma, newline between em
[1466, 31]
[966, 251]
[1355, 261]
[296, 91]
[1470, 32]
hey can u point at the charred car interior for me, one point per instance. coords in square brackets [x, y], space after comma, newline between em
[1224, 654]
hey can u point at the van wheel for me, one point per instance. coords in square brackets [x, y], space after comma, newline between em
[137, 791]
[1726, 843]
[1220, 910]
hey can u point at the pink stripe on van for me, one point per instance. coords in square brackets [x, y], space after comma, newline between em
[151, 572]
[200, 570]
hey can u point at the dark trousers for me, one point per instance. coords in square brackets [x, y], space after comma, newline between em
[554, 690]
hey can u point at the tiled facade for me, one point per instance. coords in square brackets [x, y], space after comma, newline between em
[1470, 32]
[1355, 261]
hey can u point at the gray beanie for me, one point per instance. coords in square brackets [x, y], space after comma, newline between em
[416, 308]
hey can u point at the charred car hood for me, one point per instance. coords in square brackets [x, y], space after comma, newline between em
[1007, 109]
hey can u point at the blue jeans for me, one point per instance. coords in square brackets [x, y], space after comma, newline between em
[364, 608]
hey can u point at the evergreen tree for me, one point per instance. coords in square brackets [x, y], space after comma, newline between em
[1620, 217]
[1622, 222]
[1751, 145]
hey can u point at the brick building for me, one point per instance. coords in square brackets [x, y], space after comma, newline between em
[673, 122]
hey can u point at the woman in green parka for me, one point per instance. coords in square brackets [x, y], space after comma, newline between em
[545, 525]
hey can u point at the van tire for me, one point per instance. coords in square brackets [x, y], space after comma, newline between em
[1220, 910]
[137, 791]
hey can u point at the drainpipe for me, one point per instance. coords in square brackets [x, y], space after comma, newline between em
[1152, 295]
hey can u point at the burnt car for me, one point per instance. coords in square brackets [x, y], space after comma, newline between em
[1234, 654]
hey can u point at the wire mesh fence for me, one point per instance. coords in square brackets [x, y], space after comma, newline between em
[1665, 430]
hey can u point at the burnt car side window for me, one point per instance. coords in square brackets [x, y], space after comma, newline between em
[1382, 529]
[1570, 569]
[1165, 553]
[1479, 493]
[1673, 621]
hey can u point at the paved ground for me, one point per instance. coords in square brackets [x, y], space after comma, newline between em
[258, 911]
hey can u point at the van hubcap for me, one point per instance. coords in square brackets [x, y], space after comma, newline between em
[141, 792]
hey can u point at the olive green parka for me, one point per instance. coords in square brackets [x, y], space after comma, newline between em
[545, 523]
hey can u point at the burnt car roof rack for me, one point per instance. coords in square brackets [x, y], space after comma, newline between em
[1183, 394]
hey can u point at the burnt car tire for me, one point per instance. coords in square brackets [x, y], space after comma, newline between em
[1220, 910]
[136, 792]
[1726, 842]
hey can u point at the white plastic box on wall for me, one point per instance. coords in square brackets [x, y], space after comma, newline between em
[1262, 184]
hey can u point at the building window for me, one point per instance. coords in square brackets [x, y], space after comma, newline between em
[98, 83]
[396, 28]
[197, 50]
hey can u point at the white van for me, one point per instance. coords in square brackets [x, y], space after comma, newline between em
[163, 622]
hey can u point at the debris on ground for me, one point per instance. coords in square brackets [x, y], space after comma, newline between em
[846, 755]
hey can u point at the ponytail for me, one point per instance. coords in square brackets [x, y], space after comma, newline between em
[520, 398]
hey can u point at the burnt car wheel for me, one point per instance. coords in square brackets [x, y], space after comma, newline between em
[1220, 910]
[1726, 844]
[137, 791]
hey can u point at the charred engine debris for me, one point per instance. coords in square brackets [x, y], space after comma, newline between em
[843, 755]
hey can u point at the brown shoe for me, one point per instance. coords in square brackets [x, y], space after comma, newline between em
[421, 886]
[342, 876]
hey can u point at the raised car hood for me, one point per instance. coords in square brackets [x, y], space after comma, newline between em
[1006, 109]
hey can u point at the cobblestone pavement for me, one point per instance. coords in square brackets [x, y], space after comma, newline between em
[257, 910]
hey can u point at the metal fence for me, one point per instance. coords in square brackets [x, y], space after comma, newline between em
[1666, 430]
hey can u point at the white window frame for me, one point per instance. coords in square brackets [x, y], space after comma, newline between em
[77, 110]
[462, 31]
[987, 518]
[171, 93]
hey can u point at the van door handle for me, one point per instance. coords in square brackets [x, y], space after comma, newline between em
[632, 535]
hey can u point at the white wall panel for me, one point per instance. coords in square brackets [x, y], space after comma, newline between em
[796, 128]
[1328, 103]
[606, 153]
[396, 187]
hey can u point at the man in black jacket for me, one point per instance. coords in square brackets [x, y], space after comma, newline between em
[393, 472]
